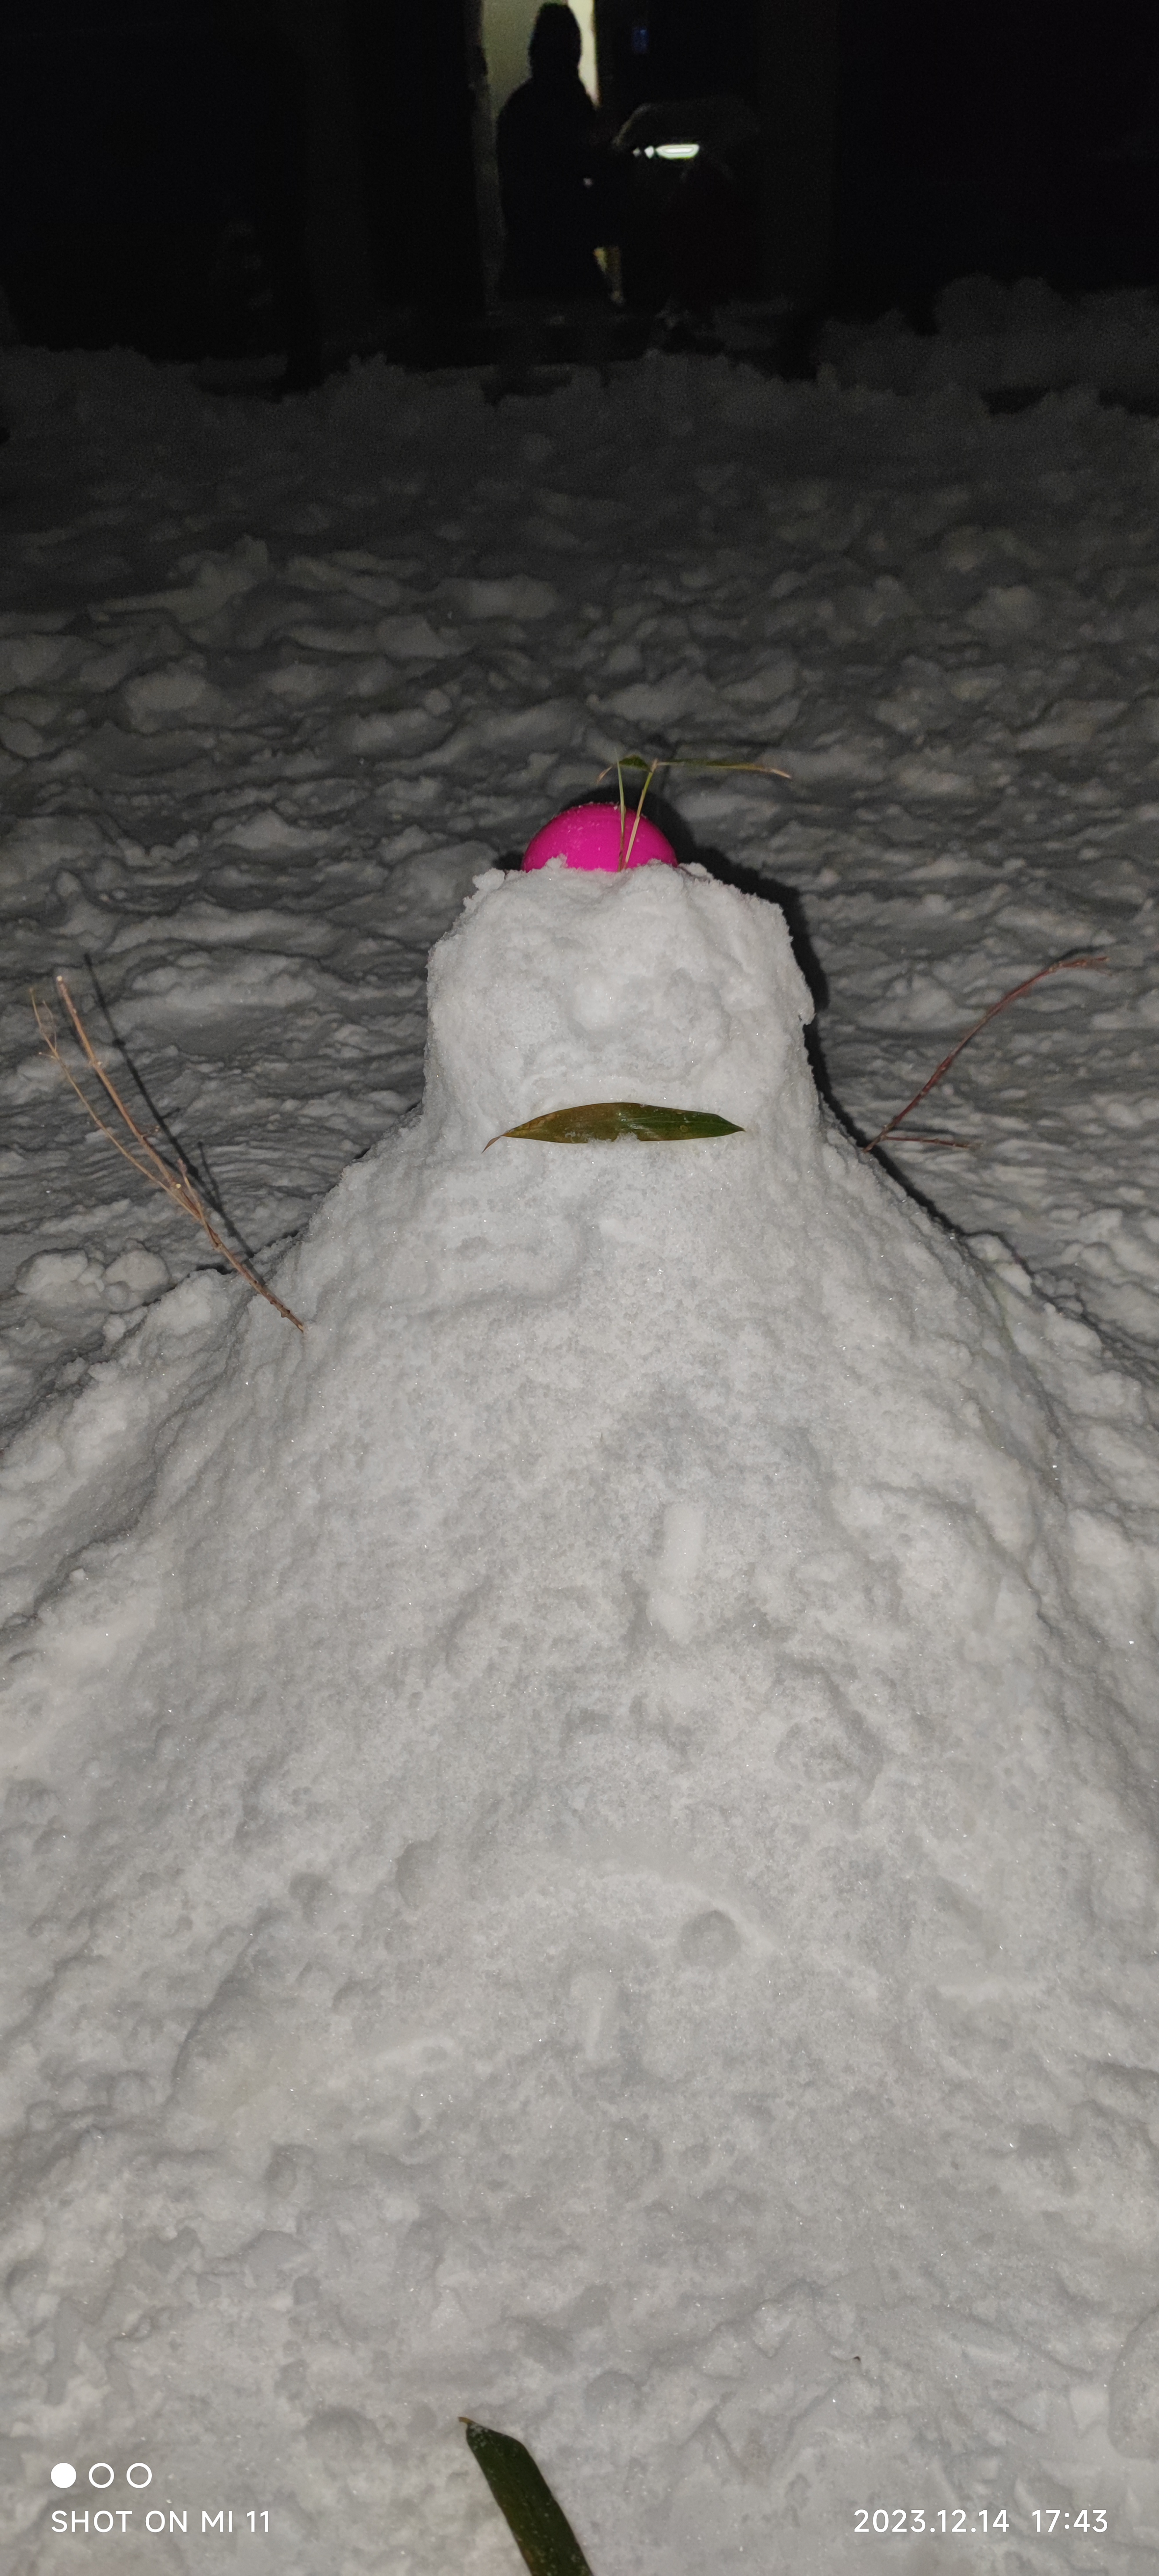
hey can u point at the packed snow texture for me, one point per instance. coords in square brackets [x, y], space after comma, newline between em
[1023, 338]
[580, 1839]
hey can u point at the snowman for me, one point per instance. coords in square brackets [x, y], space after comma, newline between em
[600, 1781]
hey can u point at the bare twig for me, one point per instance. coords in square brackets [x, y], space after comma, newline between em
[152, 1166]
[1061, 966]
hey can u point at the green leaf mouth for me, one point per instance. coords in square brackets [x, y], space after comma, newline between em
[599, 1122]
[538, 2525]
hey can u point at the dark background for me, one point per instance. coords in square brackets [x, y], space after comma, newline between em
[986, 137]
[911, 140]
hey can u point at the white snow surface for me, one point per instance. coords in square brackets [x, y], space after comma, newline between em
[580, 1841]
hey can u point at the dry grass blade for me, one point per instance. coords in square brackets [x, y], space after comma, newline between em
[1061, 966]
[690, 760]
[649, 774]
[145, 1159]
[668, 760]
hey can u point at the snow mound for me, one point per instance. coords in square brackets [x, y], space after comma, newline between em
[566, 1848]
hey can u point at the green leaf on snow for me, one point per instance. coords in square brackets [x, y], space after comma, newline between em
[599, 1122]
[537, 2524]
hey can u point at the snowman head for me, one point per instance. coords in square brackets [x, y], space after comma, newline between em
[655, 984]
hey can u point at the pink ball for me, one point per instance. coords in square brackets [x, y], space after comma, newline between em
[588, 836]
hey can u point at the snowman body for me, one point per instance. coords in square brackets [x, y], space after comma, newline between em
[619, 1751]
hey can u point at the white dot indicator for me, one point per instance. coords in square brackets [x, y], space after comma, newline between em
[64, 2474]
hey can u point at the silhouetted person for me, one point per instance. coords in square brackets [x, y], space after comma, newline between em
[546, 148]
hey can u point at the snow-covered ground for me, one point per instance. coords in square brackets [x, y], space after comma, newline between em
[1011, 340]
[279, 684]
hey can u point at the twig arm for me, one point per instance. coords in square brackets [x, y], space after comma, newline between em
[176, 1185]
[107, 1084]
[1060, 966]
